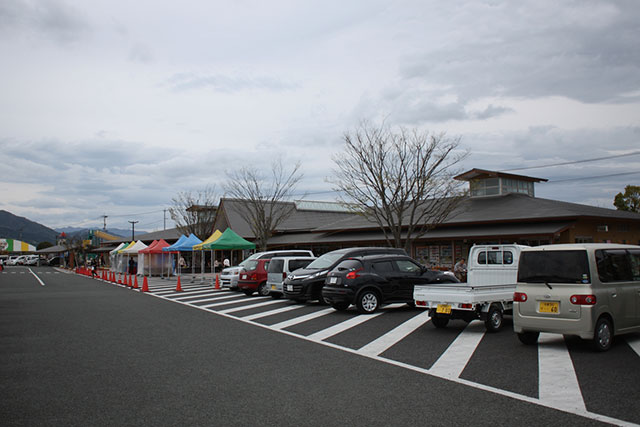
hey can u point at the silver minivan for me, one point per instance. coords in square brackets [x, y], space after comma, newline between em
[279, 269]
[590, 290]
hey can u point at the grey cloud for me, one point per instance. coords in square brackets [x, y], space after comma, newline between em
[50, 19]
[225, 83]
[141, 53]
[582, 50]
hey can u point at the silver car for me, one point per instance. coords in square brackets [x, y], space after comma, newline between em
[588, 290]
[229, 276]
[279, 269]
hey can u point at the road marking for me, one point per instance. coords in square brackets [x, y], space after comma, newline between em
[302, 319]
[453, 361]
[205, 294]
[634, 343]
[342, 326]
[217, 304]
[392, 337]
[558, 384]
[270, 312]
[184, 292]
[210, 299]
[246, 307]
[37, 278]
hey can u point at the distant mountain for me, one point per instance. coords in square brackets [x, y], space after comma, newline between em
[17, 227]
[72, 232]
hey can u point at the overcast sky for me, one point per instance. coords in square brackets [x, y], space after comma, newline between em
[113, 107]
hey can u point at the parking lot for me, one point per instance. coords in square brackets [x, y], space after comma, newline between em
[559, 373]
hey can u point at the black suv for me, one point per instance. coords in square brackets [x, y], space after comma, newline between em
[370, 281]
[306, 283]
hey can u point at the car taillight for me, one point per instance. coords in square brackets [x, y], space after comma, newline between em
[284, 275]
[467, 306]
[254, 276]
[353, 274]
[421, 303]
[583, 299]
[519, 297]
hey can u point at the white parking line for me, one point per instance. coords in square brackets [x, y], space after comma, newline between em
[392, 337]
[211, 299]
[217, 304]
[342, 326]
[204, 294]
[453, 361]
[634, 343]
[558, 384]
[301, 319]
[270, 312]
[37, 278]
[260, 304]
[184, 292]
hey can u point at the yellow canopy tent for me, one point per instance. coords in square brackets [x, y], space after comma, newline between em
[199, 247]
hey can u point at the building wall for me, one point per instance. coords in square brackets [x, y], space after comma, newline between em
[605, 231]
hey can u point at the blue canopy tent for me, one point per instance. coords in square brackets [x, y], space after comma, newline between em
[186, 245]
[171, 250]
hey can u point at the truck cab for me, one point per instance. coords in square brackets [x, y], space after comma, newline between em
[493, 264]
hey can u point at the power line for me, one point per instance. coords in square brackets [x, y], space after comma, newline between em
[592, 177]
[634, 153]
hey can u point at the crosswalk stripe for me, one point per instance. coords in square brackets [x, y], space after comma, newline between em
[260, 304]
[634, 343]
[386, 341]
[204, 294]
[213, 299]
[558, 384]
[217, 304]
[301, 319]
[342, 326]
[270, 312]
[453, 361]
[185, 291]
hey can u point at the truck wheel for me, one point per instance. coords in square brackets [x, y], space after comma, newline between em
[263, 289]
[494, 319]
[368, 302]
[603, 335]
[440, 322]
[528, 338]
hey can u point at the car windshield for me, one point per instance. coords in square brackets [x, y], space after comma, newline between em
[325, 261]
[251, 258]
[570, 266]
[276, 266]
[251, 265]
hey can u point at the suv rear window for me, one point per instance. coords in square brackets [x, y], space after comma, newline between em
[570, 266]
[349, 264]
[251, 265]
[276, 266]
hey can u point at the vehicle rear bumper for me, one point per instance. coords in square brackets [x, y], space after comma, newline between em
[334, 295]
[582, 326]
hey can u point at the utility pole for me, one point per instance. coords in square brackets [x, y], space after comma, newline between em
[164, 216]
[133, 227]
[104, 218]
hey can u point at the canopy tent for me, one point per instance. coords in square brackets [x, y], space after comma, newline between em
[121, 266]
[187, 246]
[230, 240]
[215, 236]
[156, 263]
[133, 251]
[113, 256]
[179, 242]
[13, 245]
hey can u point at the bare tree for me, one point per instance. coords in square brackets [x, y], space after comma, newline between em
[263, 201]
[195, 212]
[400, 180]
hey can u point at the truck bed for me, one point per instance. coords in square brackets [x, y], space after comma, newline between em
[463, 293]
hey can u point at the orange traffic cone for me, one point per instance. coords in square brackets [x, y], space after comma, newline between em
[129, 282]
[178, 286]
[145, 285]
[217, 281]
[119, 279]
[135, 282]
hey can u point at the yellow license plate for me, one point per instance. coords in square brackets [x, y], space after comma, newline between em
[549, 307]
[273, 287]
[443, 309]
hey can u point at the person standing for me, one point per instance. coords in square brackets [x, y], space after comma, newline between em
[460, 270]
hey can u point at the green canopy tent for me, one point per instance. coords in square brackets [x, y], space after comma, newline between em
[229, 240]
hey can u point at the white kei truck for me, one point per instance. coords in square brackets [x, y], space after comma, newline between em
[492, 272]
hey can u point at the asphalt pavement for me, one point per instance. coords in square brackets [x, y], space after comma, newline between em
[80, 351]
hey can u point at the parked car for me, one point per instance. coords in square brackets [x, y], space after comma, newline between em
[588, 290]
[31, 260]
[280, 268]
[306, 284]
[17, 260]
[4, 259]
[372, 280]
[229, 276]
[253, 277]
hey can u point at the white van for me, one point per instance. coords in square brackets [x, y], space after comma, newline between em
[280, 268]
[589, 290]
